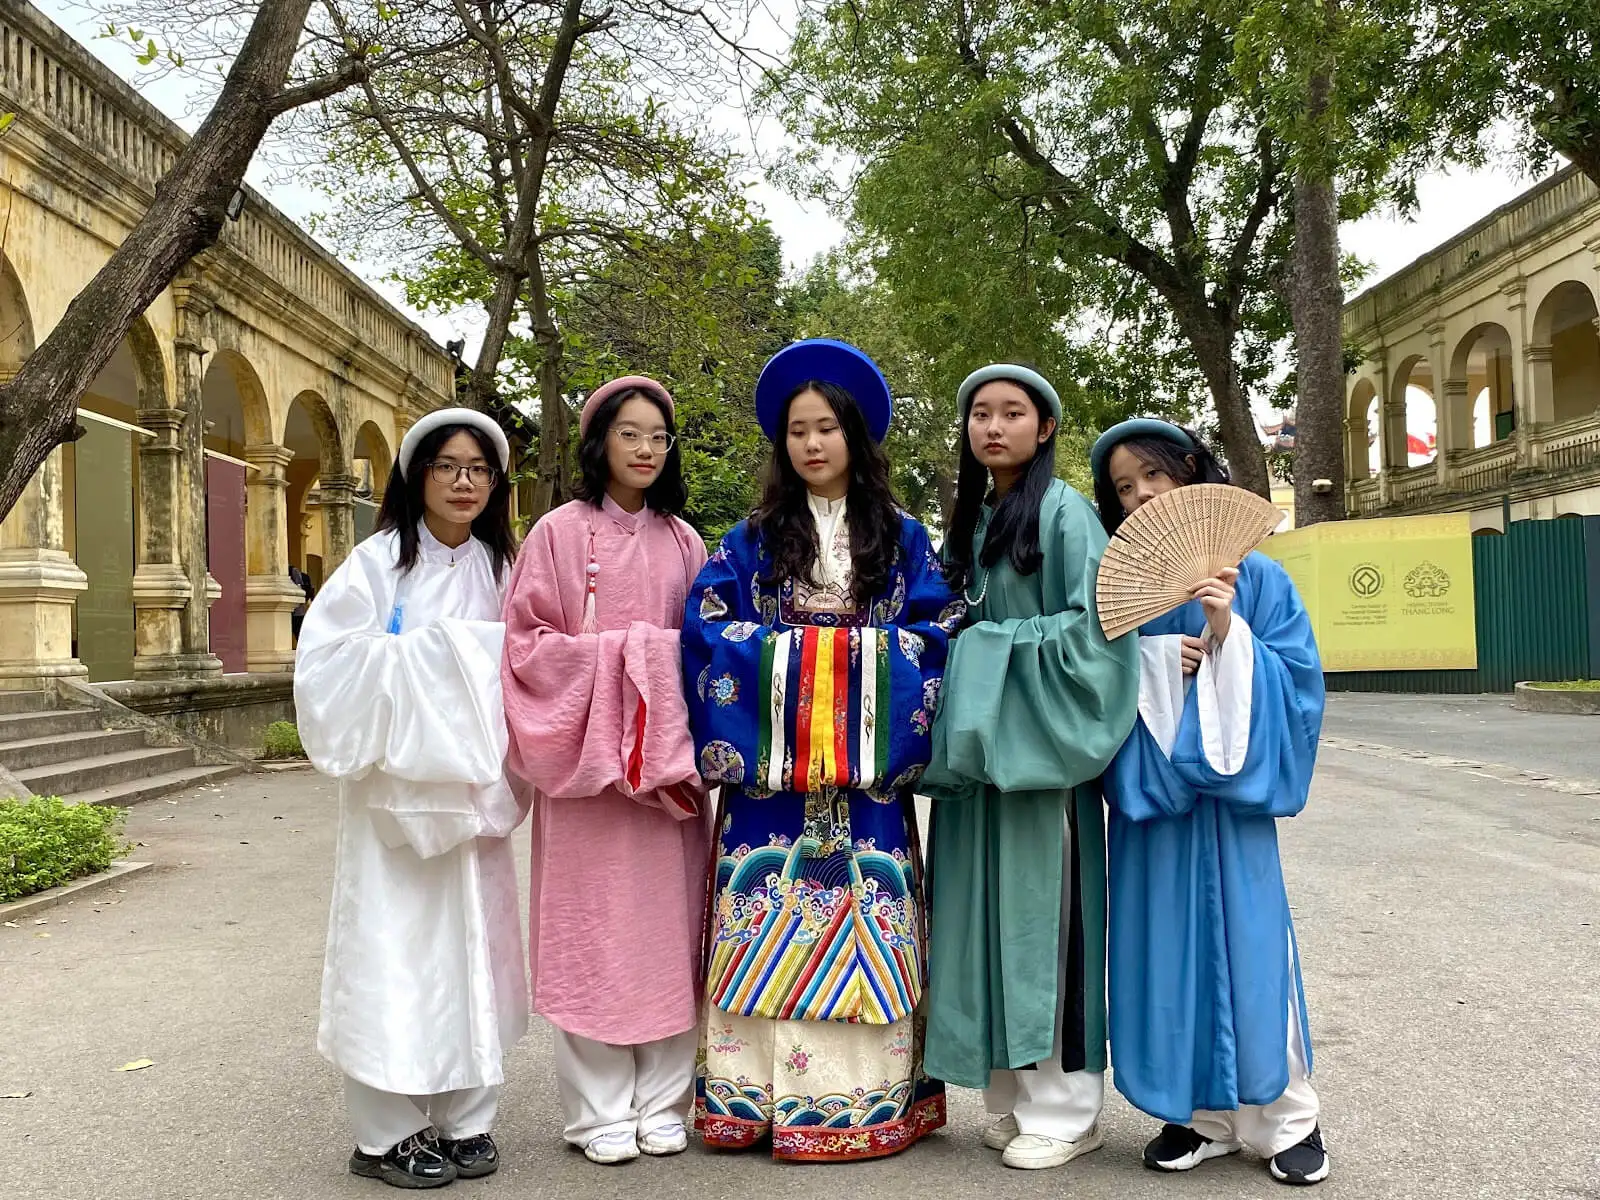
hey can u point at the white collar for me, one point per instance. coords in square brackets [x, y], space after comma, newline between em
[434, 551]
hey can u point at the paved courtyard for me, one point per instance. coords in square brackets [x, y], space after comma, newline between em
[1448, 919]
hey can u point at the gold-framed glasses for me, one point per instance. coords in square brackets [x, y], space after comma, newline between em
[477, 474]
[632, 439]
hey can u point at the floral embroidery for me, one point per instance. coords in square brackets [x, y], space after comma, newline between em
[700, 684]
[712, 607]
[721, 763]
[798, 1062]
[724, 690]
[930, 694]
[720, 555]
[952, 615]
[887, 611]
[901, 1046]
[911, 645]
[910, 777]
[920, 724]
[723, 1041]
[739, 631]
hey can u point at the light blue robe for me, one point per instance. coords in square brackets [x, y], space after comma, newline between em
[1202, 962]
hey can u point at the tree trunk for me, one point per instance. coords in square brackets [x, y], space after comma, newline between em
[552, 483]
[1316, 301]
[482, 383]
[1241, 441]
[38, 407]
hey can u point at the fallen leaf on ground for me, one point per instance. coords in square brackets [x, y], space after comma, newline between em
[41, 935]
[15, 1095]
[12, 925]
[137, 1064]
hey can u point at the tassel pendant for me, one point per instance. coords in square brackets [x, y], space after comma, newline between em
[592, 578]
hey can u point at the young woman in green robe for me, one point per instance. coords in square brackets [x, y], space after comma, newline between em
[1035, 705]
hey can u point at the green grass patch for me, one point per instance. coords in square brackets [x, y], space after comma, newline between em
[45, 843]
[1570, 685]
[281, 740]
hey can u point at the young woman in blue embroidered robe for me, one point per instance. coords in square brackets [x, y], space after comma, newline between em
[814, 643]
[1207, 1014]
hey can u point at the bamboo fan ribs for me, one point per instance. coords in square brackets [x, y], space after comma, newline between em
[1170, 544]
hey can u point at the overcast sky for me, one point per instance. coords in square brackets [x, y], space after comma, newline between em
[1449, 203]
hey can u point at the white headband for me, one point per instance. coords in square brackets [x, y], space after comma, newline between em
[452, 416]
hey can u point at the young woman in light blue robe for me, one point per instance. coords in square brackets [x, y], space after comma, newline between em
[1208, 1022]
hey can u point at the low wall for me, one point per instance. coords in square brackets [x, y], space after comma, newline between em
[232, 711]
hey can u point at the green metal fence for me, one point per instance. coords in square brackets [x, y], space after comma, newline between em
[1538, 610]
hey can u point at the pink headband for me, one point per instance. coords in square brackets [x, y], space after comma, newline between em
[627, 383]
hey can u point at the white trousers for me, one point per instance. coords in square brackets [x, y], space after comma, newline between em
[1269, 1129]
[624, 1089]
[382, 1120]
[1049, 1101]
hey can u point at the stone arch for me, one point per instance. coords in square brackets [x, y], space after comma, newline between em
[1414, 393]
[1565, 337]
[16, 319]
[1363, 455]
[1481, 388]
[372, 447]
[237, 414]
[318, 537]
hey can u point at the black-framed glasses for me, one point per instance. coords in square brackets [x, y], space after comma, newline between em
[477, 474]
[632, 439]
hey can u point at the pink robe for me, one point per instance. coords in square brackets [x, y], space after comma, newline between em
[621, 833]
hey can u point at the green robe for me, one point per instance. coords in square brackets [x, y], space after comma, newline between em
[1035, 705]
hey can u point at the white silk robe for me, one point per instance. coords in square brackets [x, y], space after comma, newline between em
[397, 692]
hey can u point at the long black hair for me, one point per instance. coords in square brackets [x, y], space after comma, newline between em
[668, 494]
[783, 518]
[403, 506]
[1014, 528]
[1199, 465]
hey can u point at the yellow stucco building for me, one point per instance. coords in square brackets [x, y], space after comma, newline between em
[246, 425]
[1479, 389]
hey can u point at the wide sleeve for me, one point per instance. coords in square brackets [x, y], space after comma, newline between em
[592, 712]
[1254, 716]
[726, 664]
[922, 635]
[1039, 702]
[422, 706]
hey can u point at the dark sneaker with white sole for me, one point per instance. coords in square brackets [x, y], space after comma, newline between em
[1302, 1164]
[1179, 1148]
[474, 1157]
[415, 1163]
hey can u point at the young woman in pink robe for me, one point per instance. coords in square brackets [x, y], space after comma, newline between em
[594, 699]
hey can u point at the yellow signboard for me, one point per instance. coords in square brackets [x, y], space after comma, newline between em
[1394, 594]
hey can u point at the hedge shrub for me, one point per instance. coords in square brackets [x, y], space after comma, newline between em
[281, 740]
[45, 843]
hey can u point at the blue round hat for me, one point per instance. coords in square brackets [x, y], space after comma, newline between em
[1137, 427]
[823, 360]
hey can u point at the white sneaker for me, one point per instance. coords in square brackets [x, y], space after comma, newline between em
[1031, 1152]
[1000, 1135]
[611, 1148]
[669, 1139]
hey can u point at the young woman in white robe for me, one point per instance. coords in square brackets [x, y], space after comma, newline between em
[397, 691]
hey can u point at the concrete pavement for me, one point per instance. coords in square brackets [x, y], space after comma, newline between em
[1448, 925]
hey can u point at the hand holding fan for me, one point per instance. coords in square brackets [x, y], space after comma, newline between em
[1171, 543]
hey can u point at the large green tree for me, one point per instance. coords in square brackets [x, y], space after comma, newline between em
[1105, 151]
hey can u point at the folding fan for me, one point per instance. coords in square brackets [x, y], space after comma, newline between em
[1171, 543]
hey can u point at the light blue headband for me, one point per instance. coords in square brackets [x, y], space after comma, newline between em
[1013, 373]
[1138, 427]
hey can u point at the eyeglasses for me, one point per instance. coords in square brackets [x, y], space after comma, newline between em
[632, 438]
[447, 473]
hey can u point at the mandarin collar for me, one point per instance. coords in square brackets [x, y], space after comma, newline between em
[632, 522]
[431, 549]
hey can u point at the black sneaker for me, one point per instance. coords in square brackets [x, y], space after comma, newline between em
[1302, 1164]
[1179, 1148]
[474, 1157]
[414, 1163]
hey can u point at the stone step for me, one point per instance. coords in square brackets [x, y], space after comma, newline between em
[103, 770]
[26, 727]
[65, 747]
[23, 702]
[149, 788]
